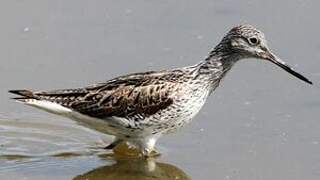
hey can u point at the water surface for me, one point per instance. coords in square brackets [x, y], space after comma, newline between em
[261, 123]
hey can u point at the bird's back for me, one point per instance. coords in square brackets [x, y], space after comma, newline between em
[154, 100]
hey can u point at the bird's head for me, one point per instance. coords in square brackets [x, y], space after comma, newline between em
[249, 42]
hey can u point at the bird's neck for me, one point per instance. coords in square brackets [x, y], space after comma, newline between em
[219, 58]
[215, 66]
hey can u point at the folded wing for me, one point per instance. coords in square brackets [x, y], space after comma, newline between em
[127, 96]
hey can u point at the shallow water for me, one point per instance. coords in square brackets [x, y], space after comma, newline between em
[261, 123]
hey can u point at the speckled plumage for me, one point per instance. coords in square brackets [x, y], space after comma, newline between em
[141, 107]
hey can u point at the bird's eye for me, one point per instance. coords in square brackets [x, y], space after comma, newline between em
[253, 40]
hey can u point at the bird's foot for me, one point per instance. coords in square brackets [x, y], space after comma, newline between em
[148, 153]
[127, 150]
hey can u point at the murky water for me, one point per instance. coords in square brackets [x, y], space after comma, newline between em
[260, 124]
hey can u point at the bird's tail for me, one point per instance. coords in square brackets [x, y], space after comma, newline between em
[23, 95]
[34, 99]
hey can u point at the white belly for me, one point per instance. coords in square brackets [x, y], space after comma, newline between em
[180, 113]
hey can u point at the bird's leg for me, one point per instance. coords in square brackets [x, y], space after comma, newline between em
[146, 146]
[114, 143]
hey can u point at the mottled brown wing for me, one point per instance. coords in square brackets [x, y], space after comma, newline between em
[127, 101]
[140, 94]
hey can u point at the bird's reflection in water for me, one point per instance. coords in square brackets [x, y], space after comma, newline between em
[137, 169]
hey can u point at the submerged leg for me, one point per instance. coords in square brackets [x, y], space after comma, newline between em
[114, 143]
[146, 146]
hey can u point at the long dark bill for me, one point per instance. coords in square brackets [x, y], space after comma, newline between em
[274, 59]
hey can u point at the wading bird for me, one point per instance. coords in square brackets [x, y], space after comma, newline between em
[139, 108]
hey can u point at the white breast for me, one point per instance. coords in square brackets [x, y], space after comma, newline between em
[181, 112]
